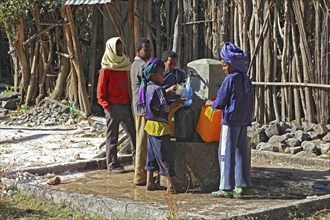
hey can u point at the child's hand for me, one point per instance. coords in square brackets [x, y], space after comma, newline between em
[181, 100]
[208, 102]
[171, 89]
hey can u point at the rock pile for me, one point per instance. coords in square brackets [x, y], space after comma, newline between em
[308, 139]
[47, 113]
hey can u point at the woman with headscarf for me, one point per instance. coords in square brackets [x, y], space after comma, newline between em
[155, 100]
[235, 99]
[113, 95]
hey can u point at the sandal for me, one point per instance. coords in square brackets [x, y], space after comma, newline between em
[238, 192]
[154, 186]
[118, 170]
[223, 194]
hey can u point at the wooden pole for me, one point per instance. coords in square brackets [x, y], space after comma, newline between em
[77, 63]
[195, 30]
[91, 71]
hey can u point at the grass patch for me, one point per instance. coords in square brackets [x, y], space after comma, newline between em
[25, 207]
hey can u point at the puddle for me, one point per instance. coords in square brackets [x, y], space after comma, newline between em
[272, 186]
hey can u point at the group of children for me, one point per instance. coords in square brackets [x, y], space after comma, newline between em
[152, 91]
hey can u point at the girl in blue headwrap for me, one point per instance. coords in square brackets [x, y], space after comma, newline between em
[157, 104]
[235, 98]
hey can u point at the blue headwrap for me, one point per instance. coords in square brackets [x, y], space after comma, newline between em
[152, 66]
[237, 58]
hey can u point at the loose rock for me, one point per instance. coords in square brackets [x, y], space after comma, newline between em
[326, 138]
[292, 142]
[321, 129]
[302, 136]
[267, 147]
[325, 148]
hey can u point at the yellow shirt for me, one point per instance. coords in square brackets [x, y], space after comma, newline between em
[157, 128]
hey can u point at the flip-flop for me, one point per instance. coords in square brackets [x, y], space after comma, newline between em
[118, 170]
[154, 187]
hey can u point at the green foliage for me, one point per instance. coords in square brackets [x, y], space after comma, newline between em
[12, 10]
[8, 89]
[25, 107]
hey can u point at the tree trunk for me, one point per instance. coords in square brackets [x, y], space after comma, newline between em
[91, 71]
[195, 31]
[137, 19]
[22, 58]
[33, 78]
[130, 15]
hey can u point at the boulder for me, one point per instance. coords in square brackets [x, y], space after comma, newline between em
[10, 104]
[3, 112]
[267, 147]
[306, 154]
[302, 136]
[314, 135]
[296, 127]
[325, 148]
[282, 147]
[321, 129]
[292, 142]
[294, 150]
[310, 146]
[273, 129]
[255, 125]
[258, 136]
[284, 127]
[277, 139]
[307, 126]
[326, 138]
[8, 95]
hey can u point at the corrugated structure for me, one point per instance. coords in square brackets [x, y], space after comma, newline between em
[85, 2]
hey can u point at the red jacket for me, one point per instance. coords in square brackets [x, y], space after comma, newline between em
[112, 88]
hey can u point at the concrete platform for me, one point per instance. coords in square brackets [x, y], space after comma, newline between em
[281, 186]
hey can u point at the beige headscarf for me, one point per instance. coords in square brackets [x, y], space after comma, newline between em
[111, 60]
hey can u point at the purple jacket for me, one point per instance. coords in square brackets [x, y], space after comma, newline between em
[157, 103]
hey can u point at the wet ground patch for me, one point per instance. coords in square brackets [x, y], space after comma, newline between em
[279, 191]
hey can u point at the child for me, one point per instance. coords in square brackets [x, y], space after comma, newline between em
[113, 96]
[143, 54]
[172, 76]
[157, 104]
[235, 98]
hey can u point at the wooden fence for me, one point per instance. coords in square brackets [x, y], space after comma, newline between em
[287, 42]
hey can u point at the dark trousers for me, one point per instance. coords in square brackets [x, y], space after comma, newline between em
[159, 155]
[119, 113]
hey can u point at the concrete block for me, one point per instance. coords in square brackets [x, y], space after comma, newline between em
[196, 166]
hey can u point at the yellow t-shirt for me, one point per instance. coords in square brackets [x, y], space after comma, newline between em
[157, 128]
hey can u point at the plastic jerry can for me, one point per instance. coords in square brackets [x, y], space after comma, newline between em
[184, 124]
[209, 124]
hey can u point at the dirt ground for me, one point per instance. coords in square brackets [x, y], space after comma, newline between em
[22, 147]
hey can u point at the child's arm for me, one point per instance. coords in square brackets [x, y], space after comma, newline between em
[223, 94]
[102, 94]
